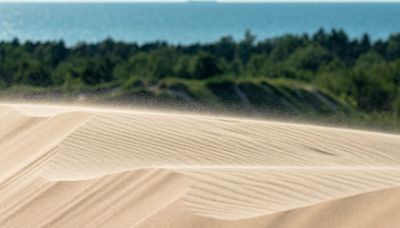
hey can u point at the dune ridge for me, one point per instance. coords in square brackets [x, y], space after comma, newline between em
[65, 166]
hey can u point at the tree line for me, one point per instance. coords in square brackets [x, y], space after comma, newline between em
[361, 71]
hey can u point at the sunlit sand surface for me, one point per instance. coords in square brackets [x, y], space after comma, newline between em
[65, 166]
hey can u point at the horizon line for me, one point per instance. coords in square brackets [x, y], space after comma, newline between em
[200, 1]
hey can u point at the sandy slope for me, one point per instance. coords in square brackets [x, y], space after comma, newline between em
[88, 167]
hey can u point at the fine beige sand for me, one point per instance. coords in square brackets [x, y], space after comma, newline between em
[64, 166]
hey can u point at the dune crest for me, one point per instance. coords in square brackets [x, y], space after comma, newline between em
[64, 166]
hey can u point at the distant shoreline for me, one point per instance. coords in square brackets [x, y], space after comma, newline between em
[197, 2]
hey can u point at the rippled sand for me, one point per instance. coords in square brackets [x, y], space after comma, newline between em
[65, 166]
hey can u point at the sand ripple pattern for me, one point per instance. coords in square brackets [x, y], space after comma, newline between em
[88, 167]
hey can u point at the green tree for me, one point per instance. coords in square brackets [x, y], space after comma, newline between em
[205, 66]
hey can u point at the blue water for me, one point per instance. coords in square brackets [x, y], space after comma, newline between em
[192, 22]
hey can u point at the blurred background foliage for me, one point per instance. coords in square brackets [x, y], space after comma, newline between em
[326, 75]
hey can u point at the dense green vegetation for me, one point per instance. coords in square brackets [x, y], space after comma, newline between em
[325, 75]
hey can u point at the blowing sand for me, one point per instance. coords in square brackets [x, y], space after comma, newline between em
[66, 166]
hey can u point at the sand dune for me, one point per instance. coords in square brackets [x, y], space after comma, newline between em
[64, 166]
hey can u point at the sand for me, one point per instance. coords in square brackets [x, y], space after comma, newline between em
[65, 166]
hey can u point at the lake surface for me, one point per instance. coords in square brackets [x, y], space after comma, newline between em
[190, 22]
